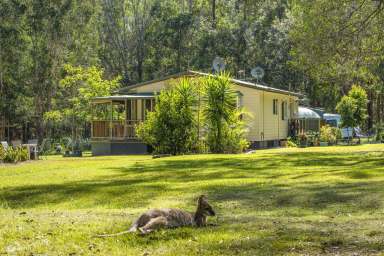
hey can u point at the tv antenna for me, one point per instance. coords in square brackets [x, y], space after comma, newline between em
[258, 73]
[218, 64]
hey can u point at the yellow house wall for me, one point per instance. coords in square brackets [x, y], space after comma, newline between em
[272, 126]
[155, 87]
[251, 105]
[260, 121]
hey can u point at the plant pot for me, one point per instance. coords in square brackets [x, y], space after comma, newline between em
[75, 153]
[303, 144]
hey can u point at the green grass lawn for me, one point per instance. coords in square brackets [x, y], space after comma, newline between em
[283, 201]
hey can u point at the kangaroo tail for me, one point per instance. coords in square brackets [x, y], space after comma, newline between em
[116, 234]
[133, 229]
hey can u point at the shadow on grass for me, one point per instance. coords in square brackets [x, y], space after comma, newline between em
[260, 188]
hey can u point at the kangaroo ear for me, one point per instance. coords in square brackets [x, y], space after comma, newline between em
[202, 198]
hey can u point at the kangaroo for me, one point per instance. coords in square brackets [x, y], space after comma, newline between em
[155, 219]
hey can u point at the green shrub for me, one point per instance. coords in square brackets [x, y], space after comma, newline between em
[171, 127]
[11, 156]
[292, 142]
[327, 135]
[2, 153]
[234, 141]
[379, 128]
[190, 111]
[223, 124]
[330, 134]
[22, 154]
[380, 137]
[313, 138]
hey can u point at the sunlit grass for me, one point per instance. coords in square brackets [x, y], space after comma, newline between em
[324, 200]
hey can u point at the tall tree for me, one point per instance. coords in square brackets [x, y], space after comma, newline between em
[123, 35]
[338, 43]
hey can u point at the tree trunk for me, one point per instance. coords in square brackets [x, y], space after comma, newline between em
[214, 14]
[190, 3]
[245, 10]
[140, 70]
[379, 107]
[370, 110]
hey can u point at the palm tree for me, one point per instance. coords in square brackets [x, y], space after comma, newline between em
[220, 108]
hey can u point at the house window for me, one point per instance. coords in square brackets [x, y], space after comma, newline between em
[275, 106]
[284, 109]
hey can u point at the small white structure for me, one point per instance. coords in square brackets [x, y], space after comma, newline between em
[308, 120]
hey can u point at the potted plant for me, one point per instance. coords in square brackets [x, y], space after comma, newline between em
[313, 138]
[324, 135]
[303, 139]
[328, 135]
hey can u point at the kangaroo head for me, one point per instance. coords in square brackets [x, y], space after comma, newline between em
[204, 207]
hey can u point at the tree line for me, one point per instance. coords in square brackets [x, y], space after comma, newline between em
[320, 48]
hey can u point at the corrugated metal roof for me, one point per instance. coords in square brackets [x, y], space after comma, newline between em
[307, 113]
[195, 73]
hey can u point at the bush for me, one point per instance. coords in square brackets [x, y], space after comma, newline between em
[330, 134]
[224, 127]
[302, 137]
[327, 134]
[22, 154]
[313, 138]
[2, 153]
[179, 119]
[171, 128]
[13, 155]
[292, 142]
[379, 128]
[234, 141]
[380, 137]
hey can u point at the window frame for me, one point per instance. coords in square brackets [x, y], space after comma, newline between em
[275, 107]
[284, 110]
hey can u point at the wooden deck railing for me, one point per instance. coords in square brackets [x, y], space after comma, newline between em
[114, 129]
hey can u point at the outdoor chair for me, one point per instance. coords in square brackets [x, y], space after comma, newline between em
[33, 149]
[359, 134]
[5, 145]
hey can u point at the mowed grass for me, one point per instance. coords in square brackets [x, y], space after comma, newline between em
[274, 202]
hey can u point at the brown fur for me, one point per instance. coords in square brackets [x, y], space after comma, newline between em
[170, 218]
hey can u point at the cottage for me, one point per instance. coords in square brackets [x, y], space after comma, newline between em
[115, 117]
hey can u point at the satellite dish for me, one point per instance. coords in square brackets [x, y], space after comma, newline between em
[218, 64]
[258, 73]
